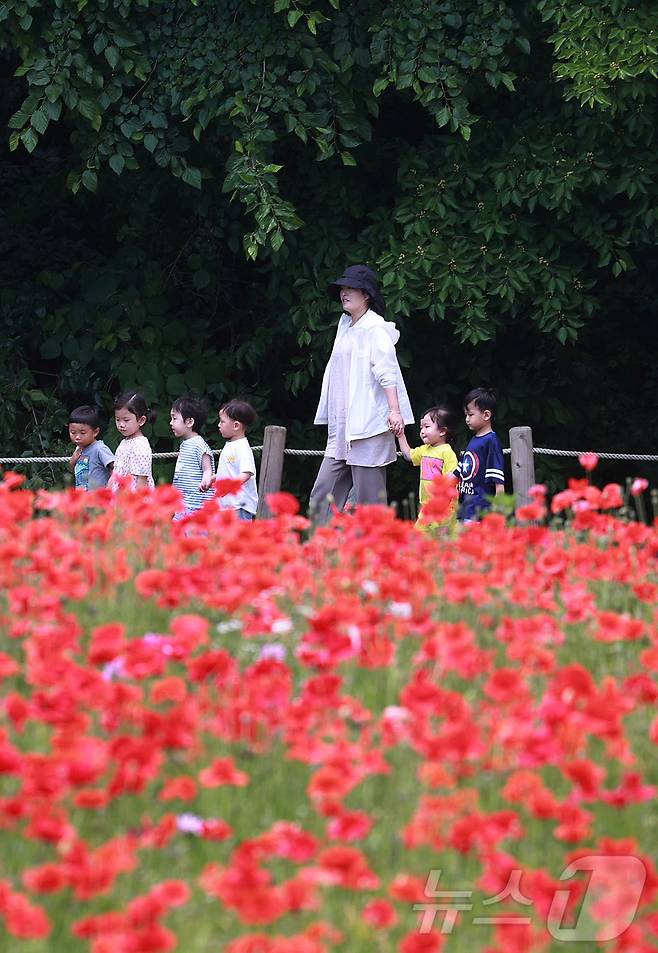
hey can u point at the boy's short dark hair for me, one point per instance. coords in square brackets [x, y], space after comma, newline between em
[190, 407]
[86, 414]
[483, 397]
[241, 411]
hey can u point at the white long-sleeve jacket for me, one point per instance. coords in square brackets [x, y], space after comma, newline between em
[374, 366]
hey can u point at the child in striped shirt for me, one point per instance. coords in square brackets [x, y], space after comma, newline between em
[195, 472]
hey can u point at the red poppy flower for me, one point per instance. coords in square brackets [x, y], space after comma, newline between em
[380, 914]
[506, 685]
[289, 840]
[614, 626]
[350, 826]
[282, 504]
[653, 731]
[92, 799]
[422, 942]
[223, 771]
[587, 776]
[217, 665]
[227, 486]
[49, 878]
[17, 709]
[182, 789]
[171, 893]
[563, 500]
[190, 629]
[11, 480]
[408, 888]
[630, 791]
[612, 497]
[151, 582]
[588, 461]
[23, 919]
[213, 829]
[441, 503]
[8, 666]
[171, 689]
[107, 642]
[347, 867]
[530, 511]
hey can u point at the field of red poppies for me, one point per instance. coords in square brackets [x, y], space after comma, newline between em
[227, 736]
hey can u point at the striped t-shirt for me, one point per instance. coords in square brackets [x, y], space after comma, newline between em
[188, 472]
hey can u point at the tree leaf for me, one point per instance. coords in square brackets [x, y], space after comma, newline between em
[39, 121]
[29, 139]
[90, 109]
[117, 163]
[90, 180]
[18, 120]
[112, 56]
[192, 176]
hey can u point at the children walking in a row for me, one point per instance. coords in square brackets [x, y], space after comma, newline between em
[480, 470]
[94, 464]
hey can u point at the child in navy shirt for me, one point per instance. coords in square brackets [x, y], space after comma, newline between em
[480, 469]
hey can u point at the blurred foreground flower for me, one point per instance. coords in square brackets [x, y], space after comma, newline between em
[588, 461]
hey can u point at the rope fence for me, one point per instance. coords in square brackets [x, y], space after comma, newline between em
[521, 451]
[537, 451]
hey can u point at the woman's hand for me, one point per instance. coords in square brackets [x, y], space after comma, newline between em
[395, 422]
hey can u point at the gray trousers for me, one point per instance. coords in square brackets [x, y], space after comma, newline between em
[336, 479]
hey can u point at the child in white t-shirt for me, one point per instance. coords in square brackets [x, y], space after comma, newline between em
[236, 461]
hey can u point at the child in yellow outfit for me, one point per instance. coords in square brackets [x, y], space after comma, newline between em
[436, 456]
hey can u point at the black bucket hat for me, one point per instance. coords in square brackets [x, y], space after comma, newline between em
[363, 278]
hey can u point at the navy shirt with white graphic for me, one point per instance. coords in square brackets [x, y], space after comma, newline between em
[479, 470]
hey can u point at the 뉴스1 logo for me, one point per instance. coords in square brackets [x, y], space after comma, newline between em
[608, 906]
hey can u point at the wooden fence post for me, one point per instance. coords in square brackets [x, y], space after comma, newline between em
[523, 463]
[271, 467]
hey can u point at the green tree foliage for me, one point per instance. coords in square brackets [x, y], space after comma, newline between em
[187, 175]
[605, 51]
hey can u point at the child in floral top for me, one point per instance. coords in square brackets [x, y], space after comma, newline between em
[133, 456]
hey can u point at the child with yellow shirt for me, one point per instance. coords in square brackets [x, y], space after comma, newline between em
[436, 456]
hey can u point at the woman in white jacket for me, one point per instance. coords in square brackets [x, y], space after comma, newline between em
[363, 401]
